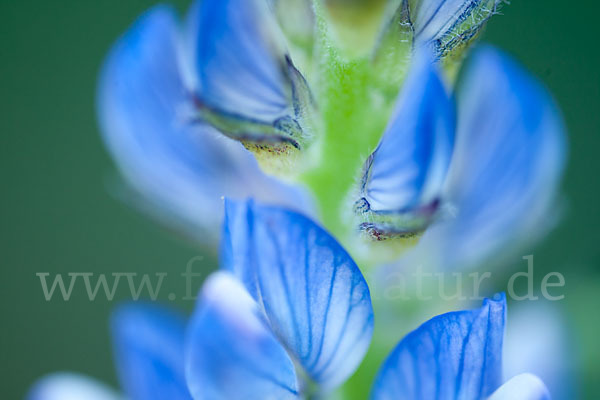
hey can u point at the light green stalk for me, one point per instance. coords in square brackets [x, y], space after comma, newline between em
[354, 110]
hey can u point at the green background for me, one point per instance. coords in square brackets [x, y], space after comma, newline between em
[57, 213]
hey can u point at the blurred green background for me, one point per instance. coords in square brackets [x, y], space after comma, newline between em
[57, 214]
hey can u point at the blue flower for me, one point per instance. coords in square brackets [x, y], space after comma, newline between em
[476, 180]
[403, 177]
[186, 107]
[290, 316]
[245, 82]
[149, 97]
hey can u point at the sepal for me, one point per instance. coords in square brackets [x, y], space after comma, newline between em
[449, 25]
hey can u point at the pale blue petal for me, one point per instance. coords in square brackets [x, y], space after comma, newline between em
[508, 161]
[237, 252]
[452, 356]
[173, 161]
[242, 65]
[231, 352]
[408, 168]
[70, 386]
[149, 343]
[522, 387]
[539, 340]
[314, 295]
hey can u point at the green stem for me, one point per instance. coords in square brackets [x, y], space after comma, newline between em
[354, 114]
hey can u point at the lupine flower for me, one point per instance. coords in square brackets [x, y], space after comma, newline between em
[290, 317]
[178, 165]
[240, 99]
[481, 179]
[187, 109]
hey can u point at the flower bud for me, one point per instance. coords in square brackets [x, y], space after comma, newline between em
[449, 25]
[247, 85]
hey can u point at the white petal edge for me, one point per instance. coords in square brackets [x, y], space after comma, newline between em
[522, 387]
[71, 386]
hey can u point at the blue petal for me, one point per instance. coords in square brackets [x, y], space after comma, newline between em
[508, 161]
[238, 61]
[449, 23]
[407, 170]
[149, 343]
[314, 295]
[70, 386]
[522, 387]
[237, 252]
[231, 353]
[452, 356]
[244, 73]
[177, 164]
